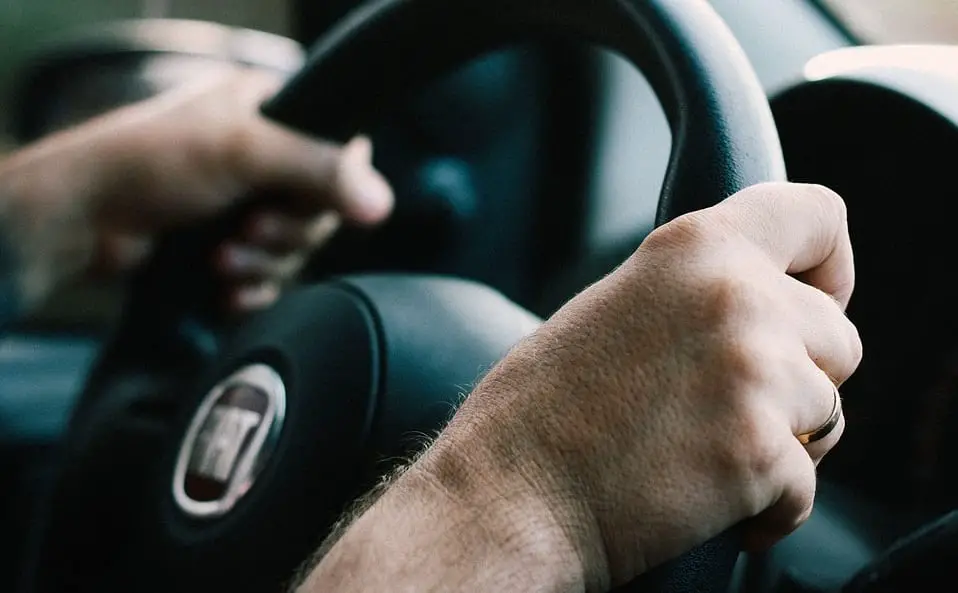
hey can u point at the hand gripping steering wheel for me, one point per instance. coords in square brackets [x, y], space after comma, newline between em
[229, 481]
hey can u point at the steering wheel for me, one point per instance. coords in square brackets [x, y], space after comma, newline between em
[920, 561]
[228, 481]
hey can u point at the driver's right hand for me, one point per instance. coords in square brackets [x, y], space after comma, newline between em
[661, 405]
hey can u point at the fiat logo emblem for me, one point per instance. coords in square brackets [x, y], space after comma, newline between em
[229, 440]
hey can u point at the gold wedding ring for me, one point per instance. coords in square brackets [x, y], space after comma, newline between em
[825, 429]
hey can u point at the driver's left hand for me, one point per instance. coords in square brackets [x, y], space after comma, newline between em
[94, 198]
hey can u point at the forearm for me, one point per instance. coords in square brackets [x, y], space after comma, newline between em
[59, 196]
[45, 226]
[434, 531]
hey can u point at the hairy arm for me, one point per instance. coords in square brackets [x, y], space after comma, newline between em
[448, 522]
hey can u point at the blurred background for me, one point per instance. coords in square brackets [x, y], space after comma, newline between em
[24, 24]
[27, 24]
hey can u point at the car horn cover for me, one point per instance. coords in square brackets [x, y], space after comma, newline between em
[231, 437]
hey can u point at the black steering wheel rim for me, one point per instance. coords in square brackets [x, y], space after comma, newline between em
[724, 137]
[723, 134]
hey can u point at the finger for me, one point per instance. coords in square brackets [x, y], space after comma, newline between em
[795, 473]
[831, 339]
[253, 297]
[802, 228]
[323, 174]
[357, 182]
[819, 449]
[812, 406]
[279, 232]
[804, 393]
[247, 263]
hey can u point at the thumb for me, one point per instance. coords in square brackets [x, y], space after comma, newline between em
[321, 175]
[361, 192]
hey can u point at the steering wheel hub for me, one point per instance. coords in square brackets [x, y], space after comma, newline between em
[229, 440]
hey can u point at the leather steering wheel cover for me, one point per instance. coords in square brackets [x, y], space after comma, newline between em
[724, 135]
[921, 561]
[723, 131]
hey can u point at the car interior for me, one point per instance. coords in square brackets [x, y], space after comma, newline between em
[531, 147]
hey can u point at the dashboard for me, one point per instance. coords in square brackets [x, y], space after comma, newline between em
[884, 134]
[880, 126]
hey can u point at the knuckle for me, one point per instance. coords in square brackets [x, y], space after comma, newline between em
[849, 348]
[749, 445]
[690, 231]
[855, 347]
[830, 201]
[760, 194]
[749, 453]
[742, 364]
[733, 301]
[725, 297]
[845, 348]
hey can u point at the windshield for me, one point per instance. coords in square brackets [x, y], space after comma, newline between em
[899, 21]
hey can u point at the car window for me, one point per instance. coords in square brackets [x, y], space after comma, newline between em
[899, 21]
[26, 24]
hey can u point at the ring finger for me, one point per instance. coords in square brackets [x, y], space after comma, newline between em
[831, 339]
[821, 431]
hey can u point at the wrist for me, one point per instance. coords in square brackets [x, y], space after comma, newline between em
[44, 222]
[509, 471]
[507, 511]
[448, 524]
